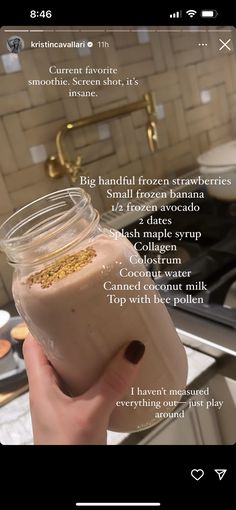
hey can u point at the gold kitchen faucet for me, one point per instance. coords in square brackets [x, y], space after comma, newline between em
[59, 165]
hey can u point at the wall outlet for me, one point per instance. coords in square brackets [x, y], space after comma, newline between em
[38, 153]
[11, 63]
[143, 35]
[205, 96]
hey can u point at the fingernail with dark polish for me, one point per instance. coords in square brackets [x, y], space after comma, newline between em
[135, 351]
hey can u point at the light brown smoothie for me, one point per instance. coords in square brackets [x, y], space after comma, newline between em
[80, 331]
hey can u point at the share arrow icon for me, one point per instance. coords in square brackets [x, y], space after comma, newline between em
[220, 473]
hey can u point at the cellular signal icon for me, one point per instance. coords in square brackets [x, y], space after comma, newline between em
[177, 14]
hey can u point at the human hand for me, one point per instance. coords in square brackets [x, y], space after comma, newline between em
[60, 419]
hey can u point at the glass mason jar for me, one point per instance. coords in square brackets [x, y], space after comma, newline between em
[66, 268]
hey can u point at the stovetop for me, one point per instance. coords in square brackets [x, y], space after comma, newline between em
[211, 259]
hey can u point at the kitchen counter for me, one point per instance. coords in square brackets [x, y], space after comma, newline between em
[15, 422]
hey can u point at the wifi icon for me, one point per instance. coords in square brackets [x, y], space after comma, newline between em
[191, 13]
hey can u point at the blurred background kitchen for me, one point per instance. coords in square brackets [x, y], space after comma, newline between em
[195, 89]
[192, 72]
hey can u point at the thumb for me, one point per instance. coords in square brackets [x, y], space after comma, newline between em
[115, 381]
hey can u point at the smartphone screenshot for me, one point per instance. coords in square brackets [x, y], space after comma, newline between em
[118, 257]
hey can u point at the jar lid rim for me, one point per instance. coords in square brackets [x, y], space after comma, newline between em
[51, 198]
[45, 220]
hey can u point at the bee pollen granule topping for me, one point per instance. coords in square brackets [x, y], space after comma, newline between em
[62, 268]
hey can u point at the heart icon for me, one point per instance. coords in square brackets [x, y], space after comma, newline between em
[197, 474]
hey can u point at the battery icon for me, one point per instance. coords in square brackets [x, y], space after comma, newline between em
[211, 13]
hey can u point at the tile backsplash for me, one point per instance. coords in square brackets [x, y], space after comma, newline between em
[195, 87]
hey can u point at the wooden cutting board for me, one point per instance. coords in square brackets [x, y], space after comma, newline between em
[7, 397]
